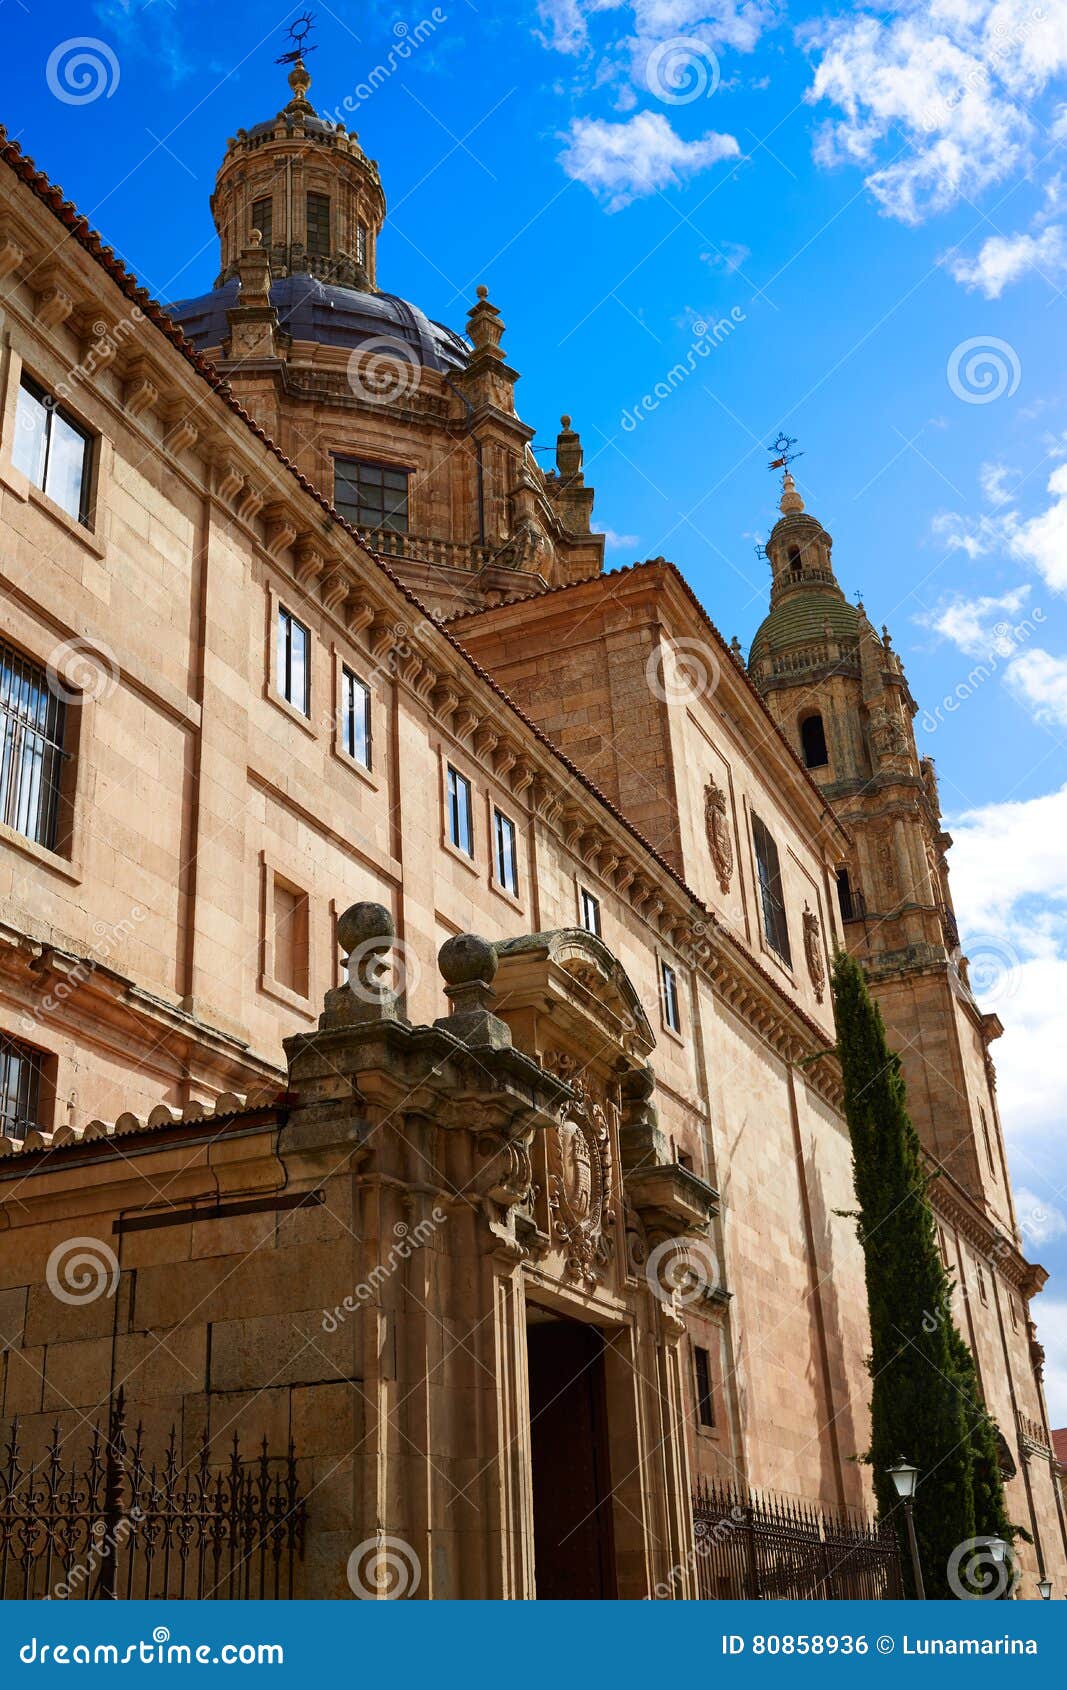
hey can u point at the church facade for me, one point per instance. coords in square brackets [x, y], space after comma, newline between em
[415, 941]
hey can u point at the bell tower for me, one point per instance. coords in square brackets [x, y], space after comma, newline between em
[838, 691]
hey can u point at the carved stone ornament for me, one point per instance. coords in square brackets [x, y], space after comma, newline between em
[813, 952]
[580, 1183]
[887, 731]
[717, 823]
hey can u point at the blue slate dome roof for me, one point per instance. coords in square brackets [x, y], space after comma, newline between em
[330, 315]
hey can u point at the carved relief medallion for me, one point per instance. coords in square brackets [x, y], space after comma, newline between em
[717, 823]
[813, 951]
[580, 1178]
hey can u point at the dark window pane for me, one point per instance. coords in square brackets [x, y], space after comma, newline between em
[460, 819]
[318, 225]
[263, 219]
[31, 749]
[371, 495]
[775, 925]
[506, 866]
[293, 661]
[705, 1401]
[20, 1088]
[590, 909]
[813, 740]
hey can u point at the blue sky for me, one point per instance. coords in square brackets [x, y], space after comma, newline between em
[874, 204]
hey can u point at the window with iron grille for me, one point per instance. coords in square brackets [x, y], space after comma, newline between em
[460, 812]
[355, 717]
[52, 450]
[20, 1088]
[775, 925]
[31, 749]
[318, 222]
[507, 869]
[293, 640]
[361, 243]
[371, 495]
[263, 219]
[705, 1399]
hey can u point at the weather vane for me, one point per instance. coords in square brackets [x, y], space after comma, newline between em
[782, 452]
[299, 30]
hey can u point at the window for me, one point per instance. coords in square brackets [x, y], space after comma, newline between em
[1013, 1308]
[507, 872]
[290, 933]
[775, 926]
[844, 895]
[31, 749]
[589, 909]
[293, 661]
[371, 495]
[263, 219]
[980, 1277]
[988, 1141]
[20, 1088]
[460, 815]
[796, 562]
[355, 717]
[813, 742]
[318, 222]
[672, 1014]
[361, 243]
[705, 1400]
[52, 450]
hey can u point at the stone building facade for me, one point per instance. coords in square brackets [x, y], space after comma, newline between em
[311, 677]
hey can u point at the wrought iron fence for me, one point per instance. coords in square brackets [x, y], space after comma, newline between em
[120, 1525]
[750, 1547]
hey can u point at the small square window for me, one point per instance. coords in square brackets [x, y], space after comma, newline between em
[52, 450]
[293, 678]
[290, 938]
[355, 718]
[705, 1398]
[460, 812]
[507, 870]
[20, 1088]
[672, 1014]
[371, 495]
[589, 911]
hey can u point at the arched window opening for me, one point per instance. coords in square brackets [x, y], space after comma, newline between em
[813, 742]
[796, 562]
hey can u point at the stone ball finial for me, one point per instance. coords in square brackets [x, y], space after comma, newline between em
[565, 421]
[465, 958]
[364, 922]
[256, 238]
[482, 291]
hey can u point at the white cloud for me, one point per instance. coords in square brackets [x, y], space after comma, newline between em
[622, 162]
[1042, 540]
[616, 542]
[935, 98]
[1004, 259]
[993, 478]
[565, 22]
[1039, 1219]
[1040, 681]
[728, 256]
[977, 625]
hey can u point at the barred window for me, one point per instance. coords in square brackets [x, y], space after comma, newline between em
[52, 450]
[371, 495]
[775, 925]
[20, 1088]
[318, 222]
[263, 219]
[31, 752]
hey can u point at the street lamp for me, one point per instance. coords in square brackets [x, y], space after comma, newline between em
[1045, 1587]
[904, 1477]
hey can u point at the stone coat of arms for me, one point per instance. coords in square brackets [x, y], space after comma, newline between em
[813, 951]
[580, 1184]
[717, 824]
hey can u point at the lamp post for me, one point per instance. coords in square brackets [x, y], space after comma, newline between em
[904, 1477]
[1044, 1585]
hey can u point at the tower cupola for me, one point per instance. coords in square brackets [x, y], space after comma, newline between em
[308, 188]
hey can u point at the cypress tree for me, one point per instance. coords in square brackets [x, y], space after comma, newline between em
[924, 1391]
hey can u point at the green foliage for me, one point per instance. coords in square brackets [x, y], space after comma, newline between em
[925, 1402]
